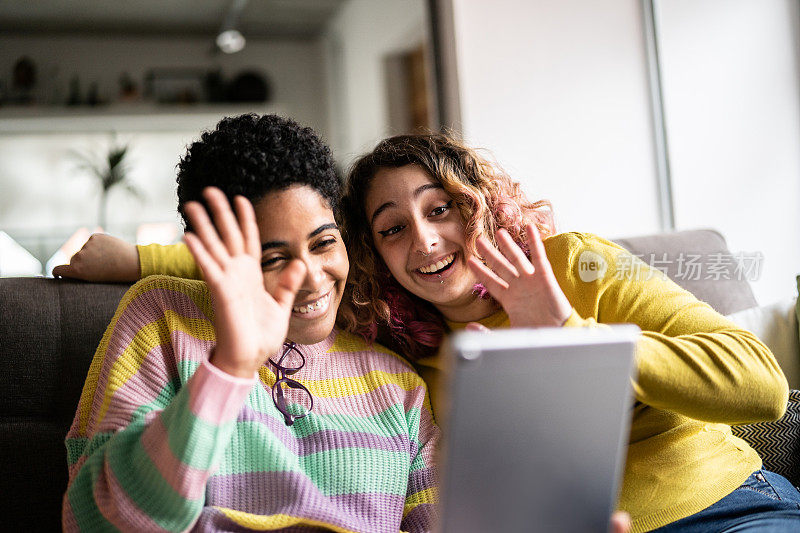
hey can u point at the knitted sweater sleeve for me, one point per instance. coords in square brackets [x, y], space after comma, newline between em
[690, 359]
[151, 424]
[419, 512]
[172, 260]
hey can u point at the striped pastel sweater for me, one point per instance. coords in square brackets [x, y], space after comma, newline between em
[163, 440]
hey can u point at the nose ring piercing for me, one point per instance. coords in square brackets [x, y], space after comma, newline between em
[424, 254]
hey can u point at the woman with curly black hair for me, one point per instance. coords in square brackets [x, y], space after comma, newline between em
[235, 403]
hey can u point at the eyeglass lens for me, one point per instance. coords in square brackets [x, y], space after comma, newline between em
[291, 398]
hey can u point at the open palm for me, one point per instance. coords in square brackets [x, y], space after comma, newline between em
[526, 288]
[250, 323]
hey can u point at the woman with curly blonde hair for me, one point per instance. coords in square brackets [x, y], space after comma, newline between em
[485, 198]
[440, 239]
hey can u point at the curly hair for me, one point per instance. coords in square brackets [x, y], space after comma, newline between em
[487, 199]
[253, 155]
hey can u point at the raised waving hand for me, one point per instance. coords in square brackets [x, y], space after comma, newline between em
[250, 323]
[526, 288]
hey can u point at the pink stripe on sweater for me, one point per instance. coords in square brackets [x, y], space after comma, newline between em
[364, 405]
[187, 481]
[416, 398]
[216, 396]
[427, 428]
[68, 521]
[141, 389]
[351, 364]
[146, 308]
[117, 507]
[73, 470]
[144, 386]
[189, 347]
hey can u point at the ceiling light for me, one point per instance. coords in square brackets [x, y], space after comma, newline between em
[230, 41]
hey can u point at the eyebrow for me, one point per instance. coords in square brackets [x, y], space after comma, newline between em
[415, 194]
[280, 244]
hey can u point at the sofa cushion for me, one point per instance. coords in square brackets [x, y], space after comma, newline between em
[797, 307]
[778, 442]
[776, 326]
[49, 330]
[34, 474]
[671, 252]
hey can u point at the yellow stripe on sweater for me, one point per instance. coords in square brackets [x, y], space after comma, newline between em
[422, 497]
[348, 342]
[89, 386]
[276, 521]
[351, 386]
[146, 340]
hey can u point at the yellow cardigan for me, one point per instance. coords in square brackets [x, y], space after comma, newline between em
[698, 373]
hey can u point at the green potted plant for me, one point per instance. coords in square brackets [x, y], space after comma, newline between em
[111, 171]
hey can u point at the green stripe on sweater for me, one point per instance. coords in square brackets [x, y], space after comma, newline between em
[194, 441]
[84, 509]
[337, 471]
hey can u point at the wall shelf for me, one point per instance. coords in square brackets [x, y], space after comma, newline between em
[121, 118]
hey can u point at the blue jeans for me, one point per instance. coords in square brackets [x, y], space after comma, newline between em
[766, 501]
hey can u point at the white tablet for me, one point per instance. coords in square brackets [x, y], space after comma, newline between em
[536, 426]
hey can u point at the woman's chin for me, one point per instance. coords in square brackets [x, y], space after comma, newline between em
[304, 331]
[456, 290]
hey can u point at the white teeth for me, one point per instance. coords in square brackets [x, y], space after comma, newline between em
[303, 309]
[438, 265]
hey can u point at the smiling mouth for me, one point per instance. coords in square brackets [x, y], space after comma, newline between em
[319, 303]
[439, 266]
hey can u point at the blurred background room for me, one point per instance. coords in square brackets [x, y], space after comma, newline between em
[632, 116]
[98, 100]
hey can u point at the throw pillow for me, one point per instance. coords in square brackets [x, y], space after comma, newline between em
[778, 442]
[797, 307]
[776, 326]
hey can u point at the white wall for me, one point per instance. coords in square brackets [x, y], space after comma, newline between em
[558, 91]
[43, 192]
[357, 41]
[294, 68]
[732, 106]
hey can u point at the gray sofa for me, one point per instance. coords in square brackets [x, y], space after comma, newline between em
[48, 333]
